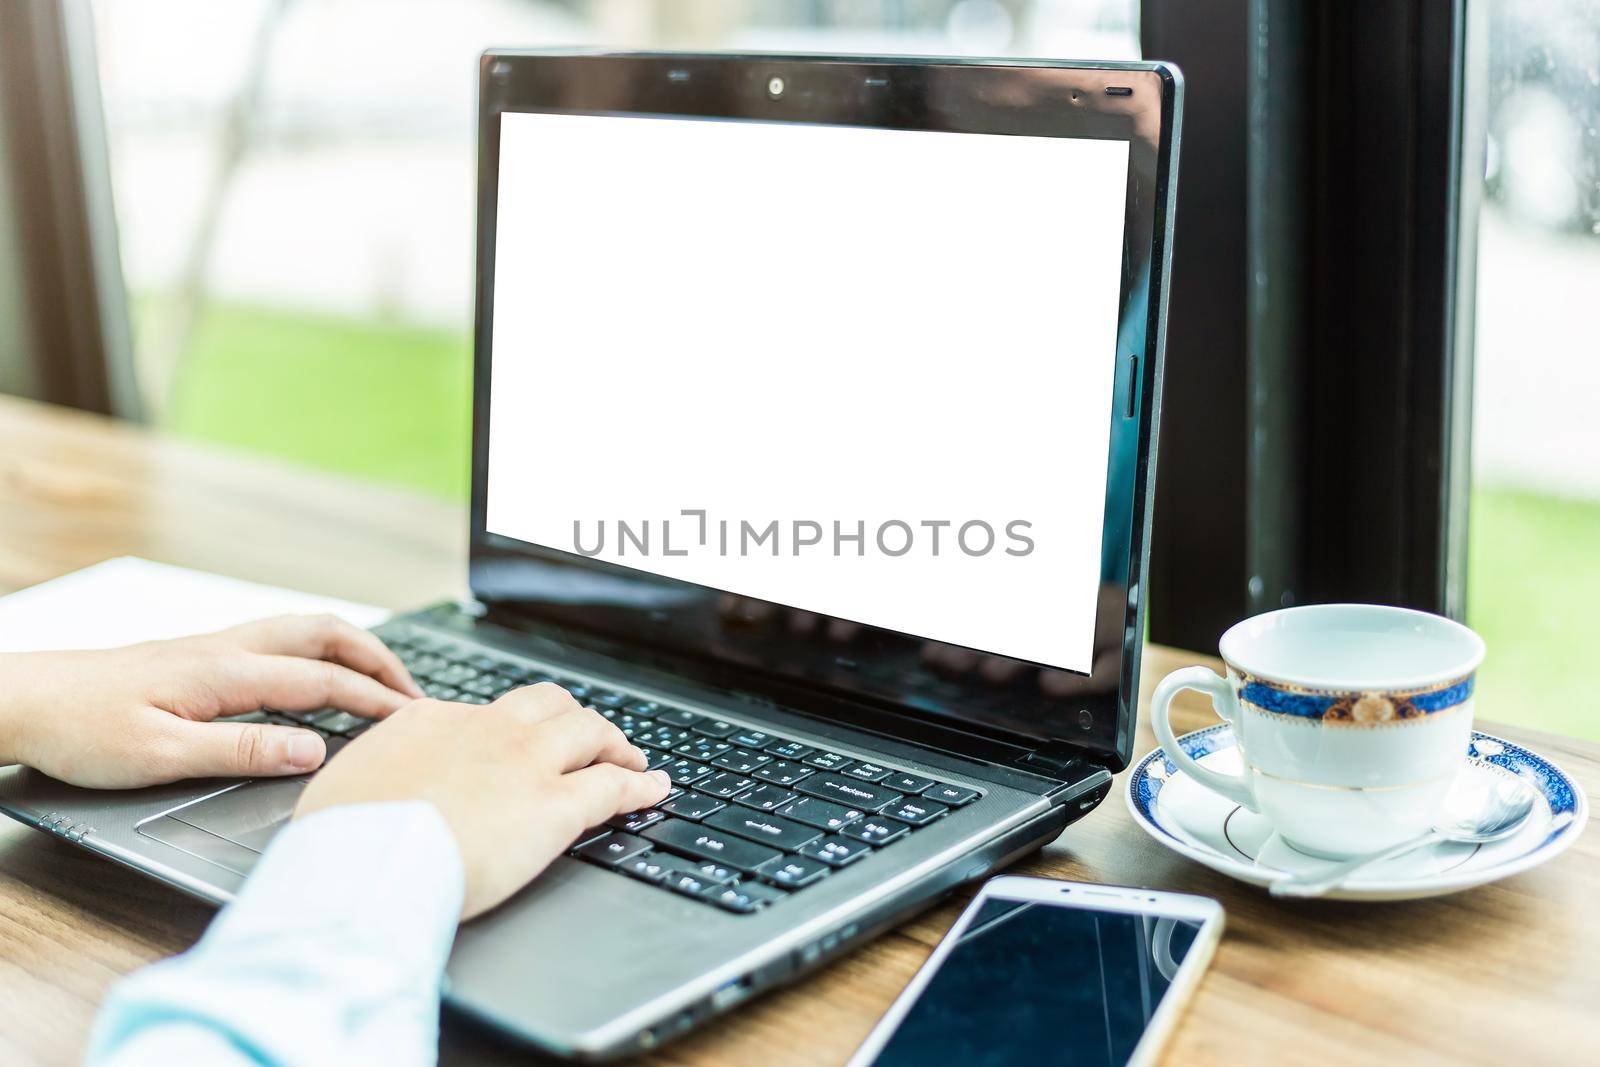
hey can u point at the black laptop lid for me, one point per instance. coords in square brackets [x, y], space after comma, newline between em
[828, 376]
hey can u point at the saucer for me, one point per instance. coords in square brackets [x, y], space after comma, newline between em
[1191, 820]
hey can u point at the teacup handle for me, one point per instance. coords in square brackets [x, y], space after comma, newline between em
[1225, 703]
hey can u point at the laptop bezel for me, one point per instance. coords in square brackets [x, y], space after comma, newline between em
[503, 571]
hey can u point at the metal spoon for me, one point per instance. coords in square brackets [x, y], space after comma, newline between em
[1496, 812]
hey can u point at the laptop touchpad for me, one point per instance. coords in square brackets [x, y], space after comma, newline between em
[249, 815]
[232, 828]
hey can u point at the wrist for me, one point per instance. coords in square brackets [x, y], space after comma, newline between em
[11, 697]
[20, 674]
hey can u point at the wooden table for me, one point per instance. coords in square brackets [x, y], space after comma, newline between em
[1506, 973]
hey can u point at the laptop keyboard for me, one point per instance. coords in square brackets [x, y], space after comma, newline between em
[752, 816]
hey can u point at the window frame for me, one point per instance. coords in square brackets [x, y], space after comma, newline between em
[1333, 316]
[71, 340]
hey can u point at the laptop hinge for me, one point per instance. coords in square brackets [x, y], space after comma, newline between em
[1056, 759]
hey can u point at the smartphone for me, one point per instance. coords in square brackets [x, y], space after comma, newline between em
[1038, 971]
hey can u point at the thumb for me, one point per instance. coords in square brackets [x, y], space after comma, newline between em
[234, 749]
[606, 789]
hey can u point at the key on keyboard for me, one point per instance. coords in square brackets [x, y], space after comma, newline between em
[771, 830]
[691, 840]
[847, 791]
[692, 806]
[765, 797]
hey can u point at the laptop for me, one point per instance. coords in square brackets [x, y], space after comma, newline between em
[815, 427]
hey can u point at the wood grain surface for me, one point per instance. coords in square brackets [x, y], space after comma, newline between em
[1508, 973]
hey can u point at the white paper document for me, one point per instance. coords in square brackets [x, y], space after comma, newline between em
[128, 599]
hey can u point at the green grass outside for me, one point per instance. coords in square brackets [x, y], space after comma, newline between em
[391, 403]
[1533, 592]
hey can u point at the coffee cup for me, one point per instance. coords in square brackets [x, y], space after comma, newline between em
[1352, 721]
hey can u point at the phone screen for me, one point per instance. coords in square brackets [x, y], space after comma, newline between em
[1034, 983]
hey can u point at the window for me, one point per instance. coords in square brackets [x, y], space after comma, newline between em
[294, 189]
[1533, 582]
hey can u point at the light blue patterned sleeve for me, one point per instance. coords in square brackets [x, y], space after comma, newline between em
[332, 954]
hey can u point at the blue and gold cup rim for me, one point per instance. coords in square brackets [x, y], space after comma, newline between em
[1352, 707]
[1353, 665]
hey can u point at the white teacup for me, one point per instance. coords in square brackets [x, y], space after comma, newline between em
[1352, 721]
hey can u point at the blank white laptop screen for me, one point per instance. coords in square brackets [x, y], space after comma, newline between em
[860, 372]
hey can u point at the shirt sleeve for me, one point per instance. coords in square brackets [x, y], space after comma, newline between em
[332, 953]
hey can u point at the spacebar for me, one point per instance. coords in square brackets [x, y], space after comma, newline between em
[693, 840]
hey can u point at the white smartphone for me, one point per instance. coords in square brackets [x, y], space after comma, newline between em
[1038, 971]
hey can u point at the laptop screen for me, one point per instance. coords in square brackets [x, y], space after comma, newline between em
[838, 398]
[854, 373]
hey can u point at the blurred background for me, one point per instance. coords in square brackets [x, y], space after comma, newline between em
[230, 163]
[293, 189]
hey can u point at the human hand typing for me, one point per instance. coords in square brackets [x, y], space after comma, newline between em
[146, 714]
[516, 780]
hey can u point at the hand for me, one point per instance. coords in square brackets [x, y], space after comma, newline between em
[142, 715]
[516, 780]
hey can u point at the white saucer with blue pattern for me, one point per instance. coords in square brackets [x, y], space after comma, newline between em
[1193, 821]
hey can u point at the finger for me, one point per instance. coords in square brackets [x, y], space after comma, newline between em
[584, 736]
[536, 703]
[289, 683]
[231, 749]
[328, 637]
[605, 789]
